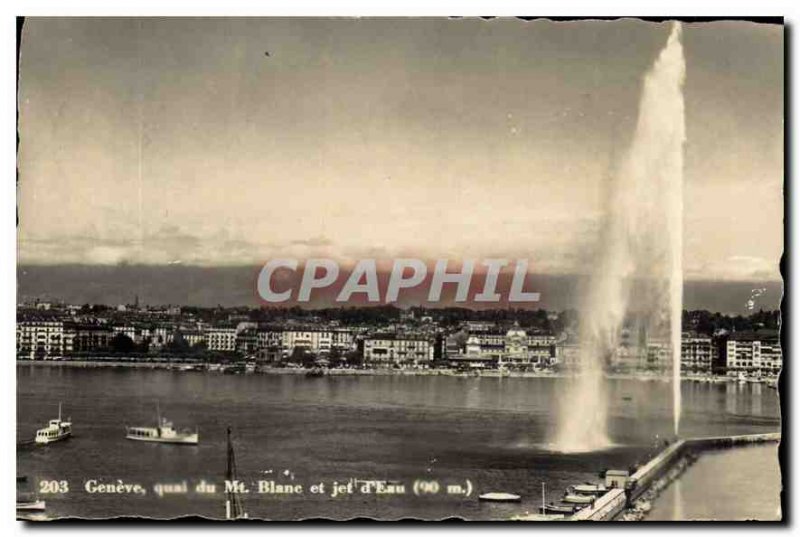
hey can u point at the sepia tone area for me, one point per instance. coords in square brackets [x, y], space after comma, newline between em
[565, 238]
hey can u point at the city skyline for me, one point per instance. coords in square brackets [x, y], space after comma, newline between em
[224, 142]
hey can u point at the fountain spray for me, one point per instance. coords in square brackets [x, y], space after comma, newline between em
[638, 269]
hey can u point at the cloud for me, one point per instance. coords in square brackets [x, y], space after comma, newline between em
[736, 268]
[313, 242]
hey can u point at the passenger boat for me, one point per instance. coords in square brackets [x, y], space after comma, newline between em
[499, 497]
[163, 433]
[579, 499]
[56, 430]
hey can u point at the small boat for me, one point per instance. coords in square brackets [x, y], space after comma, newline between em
[31, 505]
[589, 489]
[579, 499]
[627, 398]
[163, 433]
[499, 497]
[56, 430]
[555, 509]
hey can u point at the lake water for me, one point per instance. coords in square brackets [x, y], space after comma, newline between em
[751, 492]
[486, 434]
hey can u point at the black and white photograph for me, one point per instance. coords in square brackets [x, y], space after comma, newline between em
[506, 269]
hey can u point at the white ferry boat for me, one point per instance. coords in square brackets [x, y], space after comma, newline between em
[56, 430]
[163, 432]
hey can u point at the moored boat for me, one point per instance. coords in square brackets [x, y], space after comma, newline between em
[31, 505]
[589, 489]
[579, 499]
[56, 430]
[29, 501]
[555, 509]
[499, 497]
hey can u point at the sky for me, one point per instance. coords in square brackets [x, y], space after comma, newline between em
[180, 141]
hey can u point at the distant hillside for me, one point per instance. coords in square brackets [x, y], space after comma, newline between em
[235, 286]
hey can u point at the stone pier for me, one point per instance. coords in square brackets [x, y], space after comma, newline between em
[615, 501]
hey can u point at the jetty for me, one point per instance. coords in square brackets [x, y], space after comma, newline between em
[625, 491]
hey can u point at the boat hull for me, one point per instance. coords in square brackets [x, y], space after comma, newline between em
[499, 497]
[38, 505]
[588, 490]
[44, 440]
[191, 440]
[550, 509]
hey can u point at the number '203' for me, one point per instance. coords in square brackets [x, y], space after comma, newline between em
[53, 487]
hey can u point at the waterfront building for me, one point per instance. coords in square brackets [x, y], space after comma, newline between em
[541, 349]
[317, 340]
[191, 337]
[41, 339]
[753, 353]
[311, 339]
[568, 354]
[90, 337]
[129, 330]
[475, 355]
[658, 355]
[221, 339]
[487, 344]
[247, 341]
[160, 335]
[515, 353]
[390, 349]
[269, 343]
[697, 353]
[629, 355]
[343, 339]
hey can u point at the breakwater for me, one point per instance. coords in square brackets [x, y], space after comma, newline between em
[617, 501]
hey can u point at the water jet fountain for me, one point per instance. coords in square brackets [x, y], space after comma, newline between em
[638, 269]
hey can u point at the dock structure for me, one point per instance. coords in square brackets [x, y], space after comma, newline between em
[614, 502]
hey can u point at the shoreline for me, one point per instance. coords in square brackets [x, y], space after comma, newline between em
[197, 367]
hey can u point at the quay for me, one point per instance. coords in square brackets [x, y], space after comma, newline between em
[617, 500]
